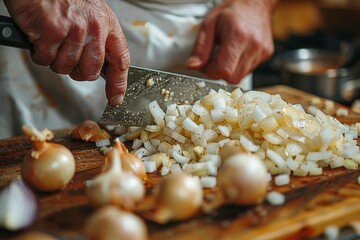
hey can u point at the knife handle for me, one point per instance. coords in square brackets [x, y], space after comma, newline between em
[11, 35]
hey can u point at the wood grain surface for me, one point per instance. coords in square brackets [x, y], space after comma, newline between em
[312, 203]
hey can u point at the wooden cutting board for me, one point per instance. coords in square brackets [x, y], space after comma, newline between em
[312, 203]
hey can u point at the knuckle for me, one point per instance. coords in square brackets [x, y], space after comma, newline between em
[238, 32]
[257, 44]
[43, 58]
[60, 31]
[124, 60]
[79, 27]
[269, 50]
[235, 79]
[225, 72]
[65, 68]
[89, 69]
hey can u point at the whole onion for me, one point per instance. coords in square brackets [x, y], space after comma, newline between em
[18, 206]
[113, 223]
[48, 166]
[243, 179]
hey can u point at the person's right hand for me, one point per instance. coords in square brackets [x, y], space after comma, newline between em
[75, 38]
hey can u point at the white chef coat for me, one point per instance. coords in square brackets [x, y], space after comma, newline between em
[160, 35]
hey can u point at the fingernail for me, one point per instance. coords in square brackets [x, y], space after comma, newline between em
[117, 100]
[193, 61]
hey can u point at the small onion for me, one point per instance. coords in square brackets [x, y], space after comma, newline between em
[112, 223]
[129, 161]
[115, 186]
[48, 166]
[177, 197]
[18, 206]
[89, 131]
[243, 179]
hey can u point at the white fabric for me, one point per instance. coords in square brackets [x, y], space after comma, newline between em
[160, 36]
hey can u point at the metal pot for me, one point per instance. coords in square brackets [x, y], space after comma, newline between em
[319, 72]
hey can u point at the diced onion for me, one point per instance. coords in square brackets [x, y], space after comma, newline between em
[156, 111]
[247, 144]
[180, 158]
[332, 232]
[102, 142]
[208, 182]
[175, 168]
[282, 179]
[150, 166]
[137, 143]
[288, 139]
[275, 198]
[217, 115]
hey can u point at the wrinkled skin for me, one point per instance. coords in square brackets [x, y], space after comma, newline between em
[75, 37]
[241, 32]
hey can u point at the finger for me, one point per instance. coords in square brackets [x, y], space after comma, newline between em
[254, 55]
[93, 54]
[248, 62]
[70, 51]
[204, 43]
[118, 62]
[232, 46]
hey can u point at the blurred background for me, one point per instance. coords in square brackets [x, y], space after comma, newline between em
[317, 46]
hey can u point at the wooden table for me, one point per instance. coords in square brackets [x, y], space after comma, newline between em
[312, 203]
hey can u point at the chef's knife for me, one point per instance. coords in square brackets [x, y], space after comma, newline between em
[144, 86]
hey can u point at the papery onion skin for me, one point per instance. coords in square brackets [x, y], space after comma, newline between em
[51, 169]
[86, 130]
[130, 162]
[179, 197]
[123, 190]
[242, 179]
[19, 206]
[115, 186]
[112, 223]
[89, 130]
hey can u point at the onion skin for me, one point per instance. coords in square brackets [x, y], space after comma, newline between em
[178, 197]
[86, 130]
[130, 162]
[242, 179]
[48, 166]
[123, 190]
[19, 206]
[89, 131]
[114, 186]
[112, 223]
[228, 150]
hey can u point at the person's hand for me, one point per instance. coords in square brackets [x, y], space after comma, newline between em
[75, 38]
[233, 39]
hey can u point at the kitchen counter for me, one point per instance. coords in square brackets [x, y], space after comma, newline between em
[312, 203]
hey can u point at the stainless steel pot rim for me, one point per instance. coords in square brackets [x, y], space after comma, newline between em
[300, 61]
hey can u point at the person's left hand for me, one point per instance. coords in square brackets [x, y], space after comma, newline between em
[241, 31]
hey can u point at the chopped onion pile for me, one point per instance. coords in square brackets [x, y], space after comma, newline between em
[187, 138]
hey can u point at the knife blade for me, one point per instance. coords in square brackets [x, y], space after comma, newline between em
[147, 85]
